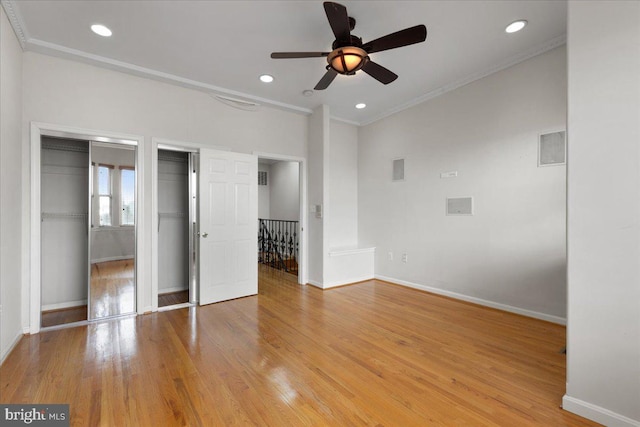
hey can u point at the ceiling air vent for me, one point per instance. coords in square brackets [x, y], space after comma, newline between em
[552, 149]
[262, 177]
[398, 169]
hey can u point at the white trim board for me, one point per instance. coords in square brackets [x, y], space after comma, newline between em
[62, 305]
[350, 251]
[479, 301]
[596, 413]
[9, 349]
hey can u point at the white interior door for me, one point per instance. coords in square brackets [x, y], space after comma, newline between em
[228, 219]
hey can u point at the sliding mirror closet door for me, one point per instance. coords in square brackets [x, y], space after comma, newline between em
[64, 230]
[112, 236]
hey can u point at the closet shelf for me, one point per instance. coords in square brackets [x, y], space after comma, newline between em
[172, 214]
[64, 215]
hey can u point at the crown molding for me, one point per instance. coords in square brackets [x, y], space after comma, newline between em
[509, 62]
[349, 122]
[15, 19]
[52, 49]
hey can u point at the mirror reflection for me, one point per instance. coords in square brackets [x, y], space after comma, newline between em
[112, 237]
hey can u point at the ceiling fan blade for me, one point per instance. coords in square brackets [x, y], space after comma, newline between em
[326, 80]
[289, 55]
[379, 73]
[338, 19]
[400, 38]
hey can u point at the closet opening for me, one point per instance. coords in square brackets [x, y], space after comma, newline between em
[87, 229]
[64, 183]
[177, 225]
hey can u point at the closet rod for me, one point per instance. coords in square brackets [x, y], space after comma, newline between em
[64, 215]
[64, 147]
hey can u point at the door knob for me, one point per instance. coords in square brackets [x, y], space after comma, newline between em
[205, 235]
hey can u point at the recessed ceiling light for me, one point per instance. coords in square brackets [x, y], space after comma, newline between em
[360, 106]
[307, 92]
[101, 30]
[516, 26]
[266, 78]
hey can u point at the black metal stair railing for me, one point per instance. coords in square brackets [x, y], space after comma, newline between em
[278, 244]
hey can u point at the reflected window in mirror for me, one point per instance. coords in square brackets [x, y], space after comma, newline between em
[105, 179]
[127, 193]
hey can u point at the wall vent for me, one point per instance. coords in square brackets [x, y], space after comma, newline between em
[460, 206]
[262, 177]
[552, 149]
[398, 169]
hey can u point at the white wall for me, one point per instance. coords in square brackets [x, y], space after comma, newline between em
[317, 155]
[285, 191]
[345, 261]
[68, 93]
[10, 186]
[603, 359]
[511, 253]
[264, 193]
[343, 185]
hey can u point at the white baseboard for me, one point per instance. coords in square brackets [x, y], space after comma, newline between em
[346, 282]
[61, 305]
[111, 258]
[176, 306]
[172, 289]
[15, 342]
[479, 301]
[597, 413]
[316, 284]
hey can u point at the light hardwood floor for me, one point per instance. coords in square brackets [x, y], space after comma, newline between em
[173, 298]
[367, 354]
[112, 288]
[65, 315]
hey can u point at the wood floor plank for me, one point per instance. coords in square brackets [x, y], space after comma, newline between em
[372, 353]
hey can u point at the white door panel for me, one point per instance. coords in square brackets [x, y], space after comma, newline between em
[228, 225]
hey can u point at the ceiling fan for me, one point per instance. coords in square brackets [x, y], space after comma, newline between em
[349, 54]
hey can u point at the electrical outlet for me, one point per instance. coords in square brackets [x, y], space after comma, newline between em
[390, 256]
[404, 257]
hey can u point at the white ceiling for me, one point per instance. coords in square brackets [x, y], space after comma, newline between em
[224, 46]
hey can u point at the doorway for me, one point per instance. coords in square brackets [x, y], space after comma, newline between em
[279, 214]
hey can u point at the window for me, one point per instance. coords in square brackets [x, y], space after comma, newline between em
[127, 198]
[104, 194]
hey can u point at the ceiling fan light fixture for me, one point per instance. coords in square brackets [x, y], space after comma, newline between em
[516, 26]
[348, 59]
